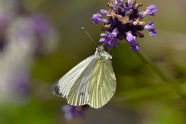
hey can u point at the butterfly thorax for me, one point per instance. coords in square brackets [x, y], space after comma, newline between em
[102, 53]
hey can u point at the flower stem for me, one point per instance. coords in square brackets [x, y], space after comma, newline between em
[142, 92]
[174, 83]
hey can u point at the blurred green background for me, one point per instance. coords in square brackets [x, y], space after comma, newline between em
[142, 97]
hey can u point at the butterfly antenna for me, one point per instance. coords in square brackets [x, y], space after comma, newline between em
[88, 35]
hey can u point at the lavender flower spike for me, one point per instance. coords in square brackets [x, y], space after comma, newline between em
[124, 22]
[151, 29]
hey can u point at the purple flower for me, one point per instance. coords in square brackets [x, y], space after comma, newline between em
[123, 21]
[132, 41]
[150, 28]
[43, 30]
[97, 18]
[110, 39]
[130, 38]
[71, 111]
[39, 24]
[151, 10]
[35, 29]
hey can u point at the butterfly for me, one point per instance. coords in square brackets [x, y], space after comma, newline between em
[91, 82]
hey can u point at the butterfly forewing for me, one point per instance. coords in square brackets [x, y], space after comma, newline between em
[102, 83]
[63, 86]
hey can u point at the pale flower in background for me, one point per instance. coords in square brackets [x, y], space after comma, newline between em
[27, 36]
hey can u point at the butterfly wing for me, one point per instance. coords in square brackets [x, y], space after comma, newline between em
[63, 86]
[78, 94]
[102, 83]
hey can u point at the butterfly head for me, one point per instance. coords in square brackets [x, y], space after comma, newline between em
[102, 53]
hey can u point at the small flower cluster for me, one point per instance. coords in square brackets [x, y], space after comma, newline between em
[71, 111]
[123, 21]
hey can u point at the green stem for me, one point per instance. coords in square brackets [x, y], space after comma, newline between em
[143, 92]
[175, 84]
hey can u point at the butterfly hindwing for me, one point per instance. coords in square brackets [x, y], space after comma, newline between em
[102, 84]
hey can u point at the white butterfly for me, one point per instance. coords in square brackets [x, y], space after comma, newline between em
[91, 82]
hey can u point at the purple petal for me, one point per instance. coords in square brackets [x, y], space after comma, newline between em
[115, 32]
[66, 108]
[117, 1]
[134, 47]
[71, 111]
[151, 10]
[96, 18]
[102, 11]
[152, 33]
[150, 28]
[103, 34]
[102, 40]
[77, 110]
[130, 2]
[130, 38]
[110, 39]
